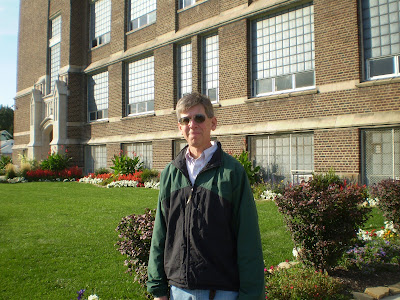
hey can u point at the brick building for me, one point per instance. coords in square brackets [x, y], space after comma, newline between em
[303, 86]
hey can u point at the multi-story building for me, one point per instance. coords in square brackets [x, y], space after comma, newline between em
[304, 86]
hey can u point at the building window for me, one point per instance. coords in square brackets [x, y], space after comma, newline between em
[142, 13]
[95, 158]
[141, 86]
[98, 96]
[55, 51]
[184, 69]
[283, 51]
[380, 150]
[100, 22]
[211, 67]
[381, 36]
[186, 3]
[142, 150]
[287, 158]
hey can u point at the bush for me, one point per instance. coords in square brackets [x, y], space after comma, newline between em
[323, 216]
[148, 175]
[388, 193]
[100, 171]
[135, 232]
[253, 173]
[302, 283]
[55, 162]
[123, 164]
[10, 171]
[25, 167]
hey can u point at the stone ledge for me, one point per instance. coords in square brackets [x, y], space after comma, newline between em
[377, 292]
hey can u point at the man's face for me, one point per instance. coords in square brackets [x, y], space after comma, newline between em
[197, 134]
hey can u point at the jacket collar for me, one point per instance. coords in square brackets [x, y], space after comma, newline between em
[215, 161]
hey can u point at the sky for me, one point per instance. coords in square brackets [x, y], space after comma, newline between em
[9, 13]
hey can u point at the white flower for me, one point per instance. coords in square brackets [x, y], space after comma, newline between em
[269, 195]
[93, 297]
[295, 252]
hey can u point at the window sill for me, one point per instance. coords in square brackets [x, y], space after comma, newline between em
[282, 96]
[140, 28]
[378, 82]
[99, 46]
[100, 121]
[191, 6]
[142, 115]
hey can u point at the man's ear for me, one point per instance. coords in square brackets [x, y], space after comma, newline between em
[213, 123]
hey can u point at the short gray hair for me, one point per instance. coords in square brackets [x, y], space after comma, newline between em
[193, 99]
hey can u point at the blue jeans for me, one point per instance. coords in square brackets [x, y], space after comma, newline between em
[184, 294]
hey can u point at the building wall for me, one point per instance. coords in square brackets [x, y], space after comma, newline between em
[340, 104]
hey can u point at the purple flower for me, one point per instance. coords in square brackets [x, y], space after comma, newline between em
[80, 294]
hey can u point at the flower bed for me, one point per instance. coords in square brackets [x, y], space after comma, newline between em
[110, 180]
[39, 174]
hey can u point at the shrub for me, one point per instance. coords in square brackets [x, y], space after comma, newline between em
[148, 175]
[100, 171]
[123, 164]
[302, 283]
[25, 167]
[323, 216]
[135, 232]
[253, 173]
[55, 162]
[10, 171]
[4, 161]
[388, 193]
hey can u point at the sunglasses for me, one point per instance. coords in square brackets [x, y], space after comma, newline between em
[199, 118]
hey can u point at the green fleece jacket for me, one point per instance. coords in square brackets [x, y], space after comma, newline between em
[206, 235]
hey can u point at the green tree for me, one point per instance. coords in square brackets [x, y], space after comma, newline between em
[7, 119]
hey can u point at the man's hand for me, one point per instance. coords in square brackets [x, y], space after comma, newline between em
[162, 298]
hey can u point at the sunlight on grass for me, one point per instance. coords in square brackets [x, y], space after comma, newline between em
[58, 238]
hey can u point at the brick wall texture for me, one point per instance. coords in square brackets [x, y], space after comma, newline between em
[338, 65]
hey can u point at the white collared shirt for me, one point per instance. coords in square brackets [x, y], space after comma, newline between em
[195, 165]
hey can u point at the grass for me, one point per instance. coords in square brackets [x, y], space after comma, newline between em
[58, 238]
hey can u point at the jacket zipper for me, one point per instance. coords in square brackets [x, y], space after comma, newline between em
[187, 219]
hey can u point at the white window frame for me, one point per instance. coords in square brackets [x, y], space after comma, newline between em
[98, 85]
[210, 66]
[142, 13]
[268, 155]
[144, 150]
[280, 54]
[103, 36]
[380, 154]
[381, 36]
[140, 87]
[95, 158]
[54, 52]
[185, 69]
[186, 3]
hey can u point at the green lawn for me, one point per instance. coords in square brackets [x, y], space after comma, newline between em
[58, 238]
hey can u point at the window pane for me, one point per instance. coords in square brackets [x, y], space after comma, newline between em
[283, 44]
[305, 79]
[98, 95]
[381, 66]
[283, 83]
[211, 66]
[185, 69]
[141, 84]
[378, 146]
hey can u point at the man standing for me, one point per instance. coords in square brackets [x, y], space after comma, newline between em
[206, 239]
